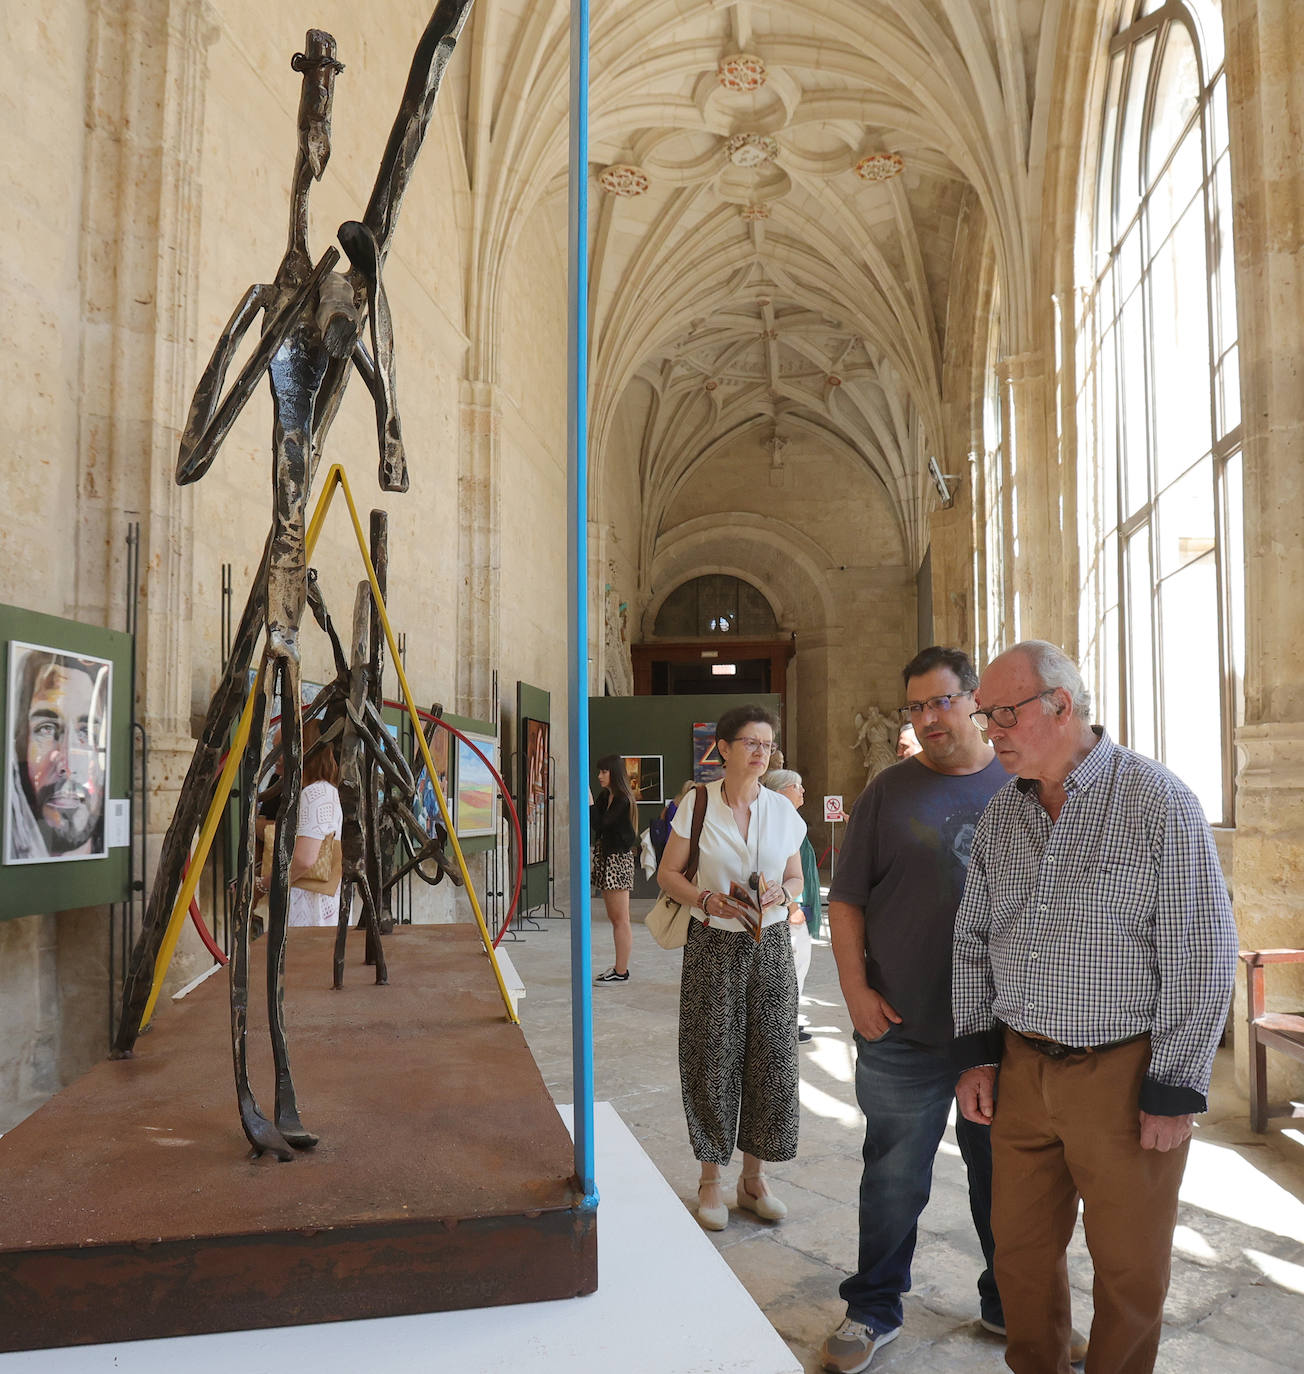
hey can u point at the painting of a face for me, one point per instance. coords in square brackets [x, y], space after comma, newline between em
[59, 734]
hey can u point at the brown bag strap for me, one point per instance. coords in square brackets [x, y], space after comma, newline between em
[695, 836]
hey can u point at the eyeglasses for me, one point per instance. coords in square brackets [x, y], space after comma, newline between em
[754, 746]
[1007, 717]
[912, 709]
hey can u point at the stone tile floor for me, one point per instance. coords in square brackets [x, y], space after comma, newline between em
[1238, 1266]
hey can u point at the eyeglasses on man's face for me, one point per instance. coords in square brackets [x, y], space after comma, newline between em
[1005, 717]
[912, 710]
[754, 746]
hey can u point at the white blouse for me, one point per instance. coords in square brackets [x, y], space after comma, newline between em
[774, 835]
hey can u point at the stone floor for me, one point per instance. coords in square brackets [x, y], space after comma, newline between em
[1238, 1266]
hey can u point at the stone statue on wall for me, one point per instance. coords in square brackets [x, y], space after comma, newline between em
[876, 740]
[313, 321]
[619, 665]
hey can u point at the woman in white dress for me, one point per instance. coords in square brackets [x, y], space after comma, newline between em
[320, 815]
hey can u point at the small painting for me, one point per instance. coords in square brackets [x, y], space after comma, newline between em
[644, 774]
[476, 811]
[426, 806]
[59, 707]
[536, 791]
[707, 763]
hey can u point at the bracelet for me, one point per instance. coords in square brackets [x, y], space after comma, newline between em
[702, 898]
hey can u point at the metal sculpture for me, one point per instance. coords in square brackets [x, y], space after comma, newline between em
[313, 322]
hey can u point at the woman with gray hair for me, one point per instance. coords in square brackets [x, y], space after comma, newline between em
[803, 916]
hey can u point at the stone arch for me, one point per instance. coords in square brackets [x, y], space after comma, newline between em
[786, 566]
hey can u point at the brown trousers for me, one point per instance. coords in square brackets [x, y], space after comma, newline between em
[1068, 1129]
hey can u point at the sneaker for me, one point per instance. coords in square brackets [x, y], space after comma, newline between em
[611, 976]
[851, 1347]
[1078, 1343]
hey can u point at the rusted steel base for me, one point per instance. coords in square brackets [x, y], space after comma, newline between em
[130, 1207]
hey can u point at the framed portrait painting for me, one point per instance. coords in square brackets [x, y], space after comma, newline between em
[58, 723]
[536, 791]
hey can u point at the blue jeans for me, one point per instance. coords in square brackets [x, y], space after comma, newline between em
[905, 1092]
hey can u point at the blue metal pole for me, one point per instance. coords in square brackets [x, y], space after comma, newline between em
[577, 490]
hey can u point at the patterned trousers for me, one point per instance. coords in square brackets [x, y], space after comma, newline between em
[738, 1043]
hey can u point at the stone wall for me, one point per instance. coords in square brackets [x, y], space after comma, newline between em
[839, 583]
[150, 191]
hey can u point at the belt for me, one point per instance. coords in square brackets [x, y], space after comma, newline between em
[1052, 1049]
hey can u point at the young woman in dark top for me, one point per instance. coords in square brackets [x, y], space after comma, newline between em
[613, 830]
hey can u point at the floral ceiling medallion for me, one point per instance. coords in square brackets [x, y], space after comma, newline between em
[756, 210]
[622, 179]
[880, 166]
[752, 150]
[741, 71]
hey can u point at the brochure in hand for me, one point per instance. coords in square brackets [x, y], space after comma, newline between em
[749, 902]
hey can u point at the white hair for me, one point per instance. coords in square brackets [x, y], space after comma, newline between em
[1055, 669]
[779, 778]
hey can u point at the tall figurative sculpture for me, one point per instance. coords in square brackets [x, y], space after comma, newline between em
[313, 321]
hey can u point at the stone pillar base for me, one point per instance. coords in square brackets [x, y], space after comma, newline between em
[1268, 881]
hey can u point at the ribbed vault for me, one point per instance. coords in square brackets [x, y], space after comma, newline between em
[777, 190]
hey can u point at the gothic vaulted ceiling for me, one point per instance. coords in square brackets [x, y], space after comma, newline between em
[777, 188]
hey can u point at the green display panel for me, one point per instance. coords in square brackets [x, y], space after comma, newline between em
[62, 881]
[647, 727]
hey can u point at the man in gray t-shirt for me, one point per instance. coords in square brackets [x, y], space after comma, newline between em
[892, 908]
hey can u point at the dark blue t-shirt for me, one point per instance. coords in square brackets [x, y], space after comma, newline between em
[903, 862]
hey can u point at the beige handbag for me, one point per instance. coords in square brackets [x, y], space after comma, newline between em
[669, 920]
[327, 870]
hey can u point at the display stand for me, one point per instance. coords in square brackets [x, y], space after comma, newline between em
[129, 1206]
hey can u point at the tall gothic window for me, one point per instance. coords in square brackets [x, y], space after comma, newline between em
[1160, 485]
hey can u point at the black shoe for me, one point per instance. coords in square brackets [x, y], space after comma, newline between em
[611, 976]
[804, 1037]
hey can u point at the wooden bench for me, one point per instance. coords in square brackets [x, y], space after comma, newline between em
[1276, 1030]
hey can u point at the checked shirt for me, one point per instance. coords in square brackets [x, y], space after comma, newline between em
[1112, 922]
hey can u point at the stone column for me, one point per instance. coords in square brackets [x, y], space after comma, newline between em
[479, 542]
[599, 540]
[1266, 111]
[951, 538]
[147, 74]
[146, 86]
[1032, 513]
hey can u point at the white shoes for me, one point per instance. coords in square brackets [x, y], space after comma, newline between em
[767, 1206]
[712, 1218]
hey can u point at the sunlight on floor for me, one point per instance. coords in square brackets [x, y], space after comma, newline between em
[831, 1055]
[1193, 1244]
[1219, 1180]
[1279, 1271]
[815, 1100]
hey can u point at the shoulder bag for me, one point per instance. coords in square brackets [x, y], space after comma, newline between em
[327, 870]
[669, 920]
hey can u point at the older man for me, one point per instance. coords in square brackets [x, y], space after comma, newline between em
[1094, 953]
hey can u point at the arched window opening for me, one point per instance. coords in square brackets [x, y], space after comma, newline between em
[715, 604]
[1159, 495]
